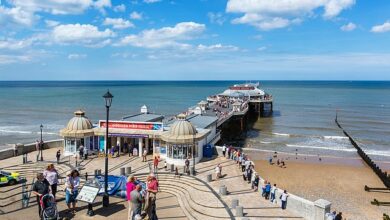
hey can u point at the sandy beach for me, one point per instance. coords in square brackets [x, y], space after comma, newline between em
[340, 181]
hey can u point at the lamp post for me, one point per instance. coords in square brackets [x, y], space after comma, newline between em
[108, 98]
[41, 143]
[193, 155]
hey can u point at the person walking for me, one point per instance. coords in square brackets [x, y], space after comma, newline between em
[136, 201]
[249, 174]
[71, 190]
[130, 186]
[187, 166]
[145, 152]
[339, 216]
[40, 188]
[267, 190]
[217, 172]
[155, 164]
[273, 193]
[256, 183]
[51, 175]
[58, 156]
[81, 152]
[224, 150]
[283, 198]
[150, 207]
[86, 153]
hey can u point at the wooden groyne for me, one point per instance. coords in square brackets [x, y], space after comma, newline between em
[383, 176]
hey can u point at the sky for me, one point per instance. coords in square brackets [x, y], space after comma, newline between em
[195, 40]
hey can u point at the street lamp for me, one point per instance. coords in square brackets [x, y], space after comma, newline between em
[193, 155]
[41, 143]
[108, 98]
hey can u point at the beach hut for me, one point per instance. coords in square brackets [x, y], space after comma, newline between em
[78, 131]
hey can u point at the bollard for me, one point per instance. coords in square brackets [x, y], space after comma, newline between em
[239, 211]
[234, 203]
[128, 170]
[209, 177]
[223, 190]
[122, 171]
[172, 168]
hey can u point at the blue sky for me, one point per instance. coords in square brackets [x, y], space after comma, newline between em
[194, 39]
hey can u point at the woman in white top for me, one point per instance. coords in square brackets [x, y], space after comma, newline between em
[283, 197]
[72, 184]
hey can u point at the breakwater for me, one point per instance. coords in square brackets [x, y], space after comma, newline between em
[383, 176]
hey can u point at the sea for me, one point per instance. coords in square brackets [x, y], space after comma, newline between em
[303, 118]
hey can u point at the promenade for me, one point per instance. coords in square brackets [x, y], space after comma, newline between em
[186, 197]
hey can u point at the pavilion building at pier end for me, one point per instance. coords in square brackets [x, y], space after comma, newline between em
[174, 139]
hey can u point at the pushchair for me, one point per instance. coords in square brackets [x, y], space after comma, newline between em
[49, 207]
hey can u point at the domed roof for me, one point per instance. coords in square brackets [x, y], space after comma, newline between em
[78, 126]
[181, 128]
[79, 122]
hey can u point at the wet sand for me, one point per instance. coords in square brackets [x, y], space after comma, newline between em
[338, 180]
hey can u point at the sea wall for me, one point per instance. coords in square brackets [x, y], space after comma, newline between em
[300, 206]
[19, 149]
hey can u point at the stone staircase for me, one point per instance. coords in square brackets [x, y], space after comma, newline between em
[196, 199]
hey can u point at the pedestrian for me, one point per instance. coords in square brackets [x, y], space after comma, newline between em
[273, 193]
[229, 150]
[112, 151]
[130, 186]
[177, 172]
[71, 190]
[150, 207]
[224, 150]
[58, 156]
[270, 160]
[81, 152]
[243, 161]
[217, 172]
[220, 170]
[339, 216]
[283, 198]
[86, 153]
[331, 215]
[118, 144]
[249, 174]
[144, 159]
[267, 190]
[155, 163]
[263, 188]
[136, 201]
[51, 175]
[255, 185]
[187, 166]
[37, 148]
[40, 188]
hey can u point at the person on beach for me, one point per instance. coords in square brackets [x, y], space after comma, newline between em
[155, 163]
[273, 193]
[270, 160]
[136, 201]
[267, 190]
[130, 186]
[72, 184]
[51, 175]
[40, 188]
[283, 198]
[224, 150]
[58, 156]
[145, 152]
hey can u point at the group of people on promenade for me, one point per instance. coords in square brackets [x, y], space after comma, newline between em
[142, 202]
[47, 182]
[249, 174]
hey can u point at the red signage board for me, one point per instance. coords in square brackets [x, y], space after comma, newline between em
[154, 126]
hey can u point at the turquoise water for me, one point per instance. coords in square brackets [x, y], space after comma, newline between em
[303, 118]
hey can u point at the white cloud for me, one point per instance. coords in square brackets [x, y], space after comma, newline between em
[12, 44]
[51, 23]
[165, 37]
[216, 18]
[348, 27]
[9, 59]
[60, 6]
[75, 56]
[273, 14]
[118, 23]
[84, 34]
[385, 27]
[135, 15]
[120, 8]
[151, 1]
[16, 16]
[216, 47]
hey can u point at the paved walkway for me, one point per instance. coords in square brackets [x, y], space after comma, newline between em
[184, 197]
